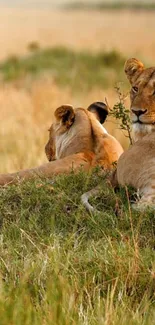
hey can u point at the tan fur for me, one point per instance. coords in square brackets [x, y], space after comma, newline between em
[136, 167]
[76, 138]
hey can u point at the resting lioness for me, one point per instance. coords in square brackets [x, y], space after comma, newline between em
[77, 138]
[136, 167]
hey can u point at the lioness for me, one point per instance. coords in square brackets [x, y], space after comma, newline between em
[136, 167]
[76, 138]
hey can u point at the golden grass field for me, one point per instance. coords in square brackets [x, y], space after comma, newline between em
[26, 110]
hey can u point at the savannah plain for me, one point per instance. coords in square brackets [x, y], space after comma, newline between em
[27, 104]
[58, 264]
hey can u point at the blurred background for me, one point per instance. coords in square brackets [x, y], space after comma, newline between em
[64, 51]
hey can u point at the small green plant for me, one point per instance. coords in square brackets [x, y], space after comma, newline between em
[122, 114]
[12, 59]
[33, 46]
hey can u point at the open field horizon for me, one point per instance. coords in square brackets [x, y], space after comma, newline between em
[93, 30]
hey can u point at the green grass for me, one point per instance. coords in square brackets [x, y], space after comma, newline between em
[116, 5]
[78, 70]
[59, 265]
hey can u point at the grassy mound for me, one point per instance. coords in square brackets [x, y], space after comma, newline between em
[59, 265]
[67, 67]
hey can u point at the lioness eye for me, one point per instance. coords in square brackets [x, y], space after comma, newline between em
[135, 89]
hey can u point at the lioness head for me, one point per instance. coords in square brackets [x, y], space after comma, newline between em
[71, 130]
[142, 97]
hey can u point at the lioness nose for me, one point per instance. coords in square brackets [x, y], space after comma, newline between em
[139, 112]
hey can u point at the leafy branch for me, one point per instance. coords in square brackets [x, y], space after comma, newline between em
[121, 113]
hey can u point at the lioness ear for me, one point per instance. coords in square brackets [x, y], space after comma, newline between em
[65, 113]
[133, 68]
[100, 110]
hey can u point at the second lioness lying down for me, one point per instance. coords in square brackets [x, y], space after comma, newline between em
[76, 138]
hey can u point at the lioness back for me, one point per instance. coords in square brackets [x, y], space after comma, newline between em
[80, 130]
